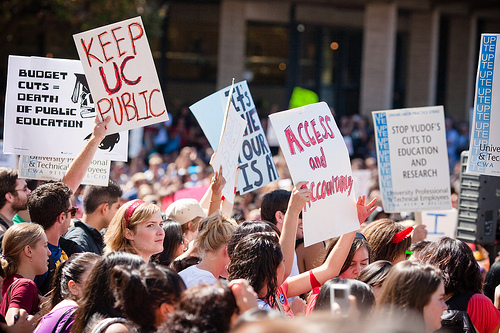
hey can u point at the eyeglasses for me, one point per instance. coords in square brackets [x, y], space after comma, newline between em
[24, 189]
[408, 254]
[73, 211]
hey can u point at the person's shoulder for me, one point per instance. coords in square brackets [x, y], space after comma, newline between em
[69, 246]
[479, 297]
[78, 229]
[23, 283]
[480, 301]
[188, 271]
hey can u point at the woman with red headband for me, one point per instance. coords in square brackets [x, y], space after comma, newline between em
[136, 228]
[388, 240]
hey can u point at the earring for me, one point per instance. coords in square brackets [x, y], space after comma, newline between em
[31, 259]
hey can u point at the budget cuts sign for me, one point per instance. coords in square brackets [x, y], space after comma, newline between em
[315, 152]
[122, 76]
[50, 112]
[412, 159]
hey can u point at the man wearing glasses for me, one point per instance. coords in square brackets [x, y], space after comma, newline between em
[13, 196]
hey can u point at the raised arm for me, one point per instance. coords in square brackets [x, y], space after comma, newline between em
[301, 283]
[80, 164]
[299, 197]
[216, 187]
[333, 264]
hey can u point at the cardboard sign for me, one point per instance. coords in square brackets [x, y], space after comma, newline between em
[122, 76]
[315, 152]
[362, 182]
[440, 223]
[51, 168]
[484, 150]
[49, 111]
[412, 159]
[256, 163]
[229, 150]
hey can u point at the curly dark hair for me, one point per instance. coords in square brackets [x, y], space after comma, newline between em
[203, 308]
[47, 202]
[247, 228]
[456, 261]
[256, 258]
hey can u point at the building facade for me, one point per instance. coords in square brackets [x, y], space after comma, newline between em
[357, 55]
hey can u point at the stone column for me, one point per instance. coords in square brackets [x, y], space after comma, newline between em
[232, 40]
[460, 77]
[379, 43]
[423, 59]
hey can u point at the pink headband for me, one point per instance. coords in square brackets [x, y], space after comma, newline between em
[402, 235]
[130, 210]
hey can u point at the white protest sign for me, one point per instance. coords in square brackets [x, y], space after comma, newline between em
[362, 181]
[412, 159]
[229, 150]
[49, 111]
[440, 223]
[122, 76]
[52, 168]
[484, 150]
[315, 152]
[256, 163]
[7, 160]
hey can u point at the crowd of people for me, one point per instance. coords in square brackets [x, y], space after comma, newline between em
[161, 250]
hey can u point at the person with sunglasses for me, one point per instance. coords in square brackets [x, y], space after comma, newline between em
[50, 206]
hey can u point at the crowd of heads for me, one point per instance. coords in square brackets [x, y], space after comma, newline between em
[139, 257]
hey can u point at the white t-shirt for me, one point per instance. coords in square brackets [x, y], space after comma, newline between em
[193, 276]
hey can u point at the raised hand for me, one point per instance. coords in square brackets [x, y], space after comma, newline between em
[364, 210]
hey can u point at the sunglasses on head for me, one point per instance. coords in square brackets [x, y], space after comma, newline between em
[73, 211]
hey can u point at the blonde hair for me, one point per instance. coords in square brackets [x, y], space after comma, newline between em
[16, 238]
[214, 232]
[114, 239]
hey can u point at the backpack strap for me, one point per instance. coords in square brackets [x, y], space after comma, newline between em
[7, 296]
[66, 316]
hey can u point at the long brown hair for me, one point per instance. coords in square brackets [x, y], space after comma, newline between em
[380, 234]
[16, 238]
[409, 287]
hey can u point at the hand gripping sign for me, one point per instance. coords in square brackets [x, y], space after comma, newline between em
[315, 152]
